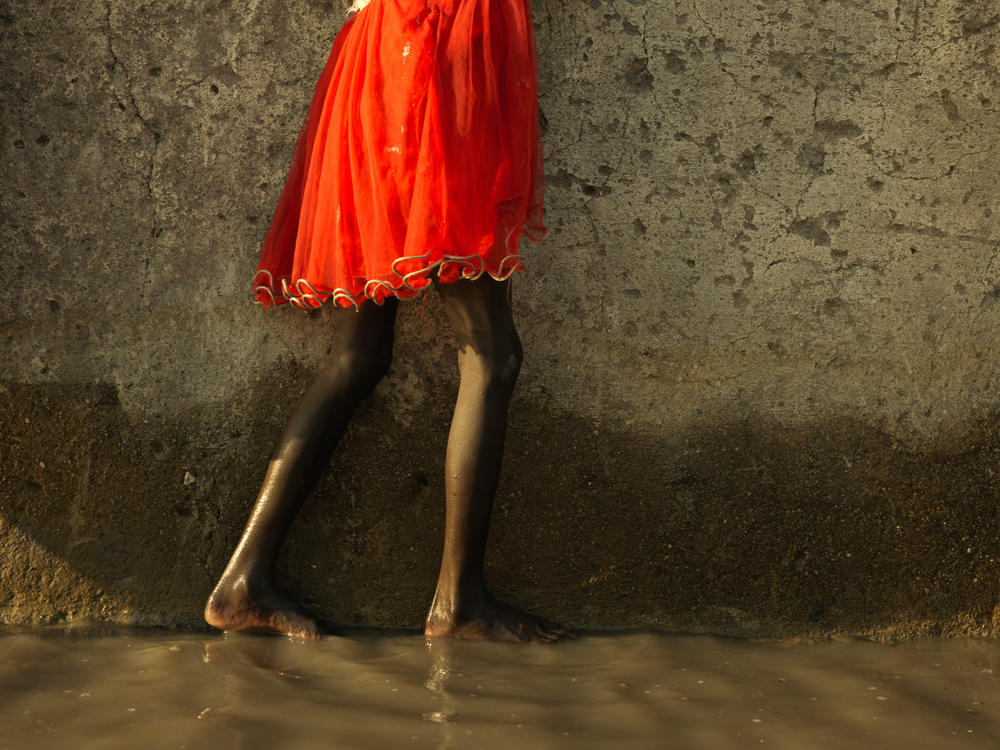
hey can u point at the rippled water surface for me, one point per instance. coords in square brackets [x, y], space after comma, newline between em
[130, 689]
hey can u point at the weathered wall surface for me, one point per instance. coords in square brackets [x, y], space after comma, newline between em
[761, 388]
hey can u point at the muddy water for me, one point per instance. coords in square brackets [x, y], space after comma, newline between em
[129, 689]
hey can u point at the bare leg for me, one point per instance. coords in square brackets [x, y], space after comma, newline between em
[246, 597]
[489, 357]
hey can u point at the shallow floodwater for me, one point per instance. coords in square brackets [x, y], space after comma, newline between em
[134, 689]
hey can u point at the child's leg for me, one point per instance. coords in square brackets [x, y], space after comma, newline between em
[246, 597]
[489, 357]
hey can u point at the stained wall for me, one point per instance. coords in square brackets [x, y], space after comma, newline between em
[760, 390]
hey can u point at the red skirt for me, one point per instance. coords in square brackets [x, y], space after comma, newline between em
[420, 155]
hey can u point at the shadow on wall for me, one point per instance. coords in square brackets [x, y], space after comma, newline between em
[733, 522]
[744, 528]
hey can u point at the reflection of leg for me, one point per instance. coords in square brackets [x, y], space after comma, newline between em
[246, 597]
[438, 677]
[489, 357]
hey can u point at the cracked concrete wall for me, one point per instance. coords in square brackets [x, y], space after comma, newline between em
[760, 387]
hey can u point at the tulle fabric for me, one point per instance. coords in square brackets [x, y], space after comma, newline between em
[420, 155]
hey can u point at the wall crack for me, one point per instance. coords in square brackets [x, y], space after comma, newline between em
[131, 106]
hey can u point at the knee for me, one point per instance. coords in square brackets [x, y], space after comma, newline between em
[510, 366]
[497, 369]
[371, 364]
[363, 368]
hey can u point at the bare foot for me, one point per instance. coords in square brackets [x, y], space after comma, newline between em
[493, 620]
[239, 606]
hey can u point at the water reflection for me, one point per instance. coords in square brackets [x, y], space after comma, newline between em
[131, 689]
[438, 673]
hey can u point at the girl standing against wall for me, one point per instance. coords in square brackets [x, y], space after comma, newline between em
[419, 163]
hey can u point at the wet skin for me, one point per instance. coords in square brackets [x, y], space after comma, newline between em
[246, 597]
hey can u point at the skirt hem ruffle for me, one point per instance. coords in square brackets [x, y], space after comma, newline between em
[301, 293]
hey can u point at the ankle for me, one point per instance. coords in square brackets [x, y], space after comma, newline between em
[244, 582]
[455, 602]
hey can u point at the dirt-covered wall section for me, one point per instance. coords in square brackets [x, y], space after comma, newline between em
[762, 374]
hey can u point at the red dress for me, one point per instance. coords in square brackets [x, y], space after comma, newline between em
[420, 155]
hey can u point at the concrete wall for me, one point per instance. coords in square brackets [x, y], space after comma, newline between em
[760, 393]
